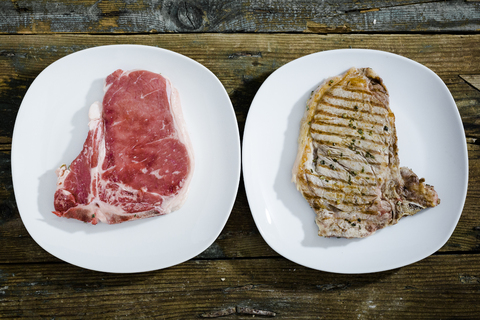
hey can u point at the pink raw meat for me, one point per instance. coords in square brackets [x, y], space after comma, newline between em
[137, 161]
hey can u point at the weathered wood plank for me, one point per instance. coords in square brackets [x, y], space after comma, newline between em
[451, 16]
[155, 16]
[473, 80]
[242, 62]
[439, 287]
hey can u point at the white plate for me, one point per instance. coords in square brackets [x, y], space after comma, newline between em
[51, 127]
[431, 141]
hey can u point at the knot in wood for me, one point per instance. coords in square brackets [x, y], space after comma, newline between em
[188, 15]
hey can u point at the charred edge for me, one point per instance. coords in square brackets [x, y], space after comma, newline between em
[414, 207]
[376, 86]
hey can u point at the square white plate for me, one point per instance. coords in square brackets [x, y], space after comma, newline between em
[431, 140]
[52, 125]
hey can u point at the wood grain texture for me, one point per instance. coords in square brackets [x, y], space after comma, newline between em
[472, 79]
[242, 62]
[439, 287]
[242, 42]
[156, 16]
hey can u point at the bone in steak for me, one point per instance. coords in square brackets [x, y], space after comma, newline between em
[137, 161]
[347, 165]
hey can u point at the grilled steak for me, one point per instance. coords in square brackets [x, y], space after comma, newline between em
[137, 161]
[347, 165]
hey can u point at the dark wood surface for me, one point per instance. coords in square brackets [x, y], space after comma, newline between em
[241, 42]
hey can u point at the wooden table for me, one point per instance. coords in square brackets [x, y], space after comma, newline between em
[242, 42]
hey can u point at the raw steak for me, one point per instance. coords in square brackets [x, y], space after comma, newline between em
[137, 161]
[347, 165]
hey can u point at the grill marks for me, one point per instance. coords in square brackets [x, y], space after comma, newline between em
[343, 148]
[349, 141]
[347, 166]
[355, 123]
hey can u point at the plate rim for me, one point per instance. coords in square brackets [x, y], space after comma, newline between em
[246, 169]
[236, 168]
